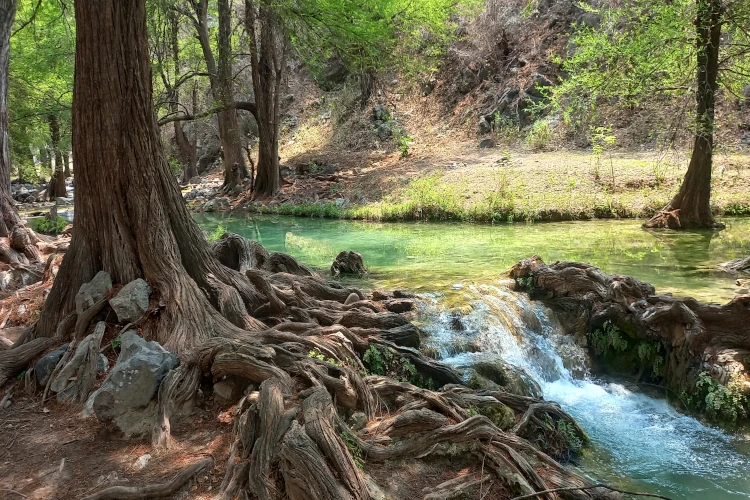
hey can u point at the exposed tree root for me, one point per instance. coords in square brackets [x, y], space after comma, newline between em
[152, 490]
[736, 266]
[682, 336]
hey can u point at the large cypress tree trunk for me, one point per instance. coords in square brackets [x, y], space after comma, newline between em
[267, 61]
[691, 208]
[56, 185]
[130, 218]
[7, 209]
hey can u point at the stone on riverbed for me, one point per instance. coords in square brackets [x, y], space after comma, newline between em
[485, 371]
[348, 263]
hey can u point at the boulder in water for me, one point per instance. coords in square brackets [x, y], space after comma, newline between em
[348, 263]
[484, 371]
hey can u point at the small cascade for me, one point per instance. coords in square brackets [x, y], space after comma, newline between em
[639, 442]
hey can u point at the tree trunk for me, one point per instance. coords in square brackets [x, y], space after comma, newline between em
[183, 144]
[56, 185]
[691, 208]
[66, 162]
[138, 227]
[191, 170]
[9, 216]
[267, 61]
[220, 77]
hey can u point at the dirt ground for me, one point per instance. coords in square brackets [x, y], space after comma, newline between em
[49, 451]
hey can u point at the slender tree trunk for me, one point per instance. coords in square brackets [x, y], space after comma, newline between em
[691, 208]
[267, 60]
[131, 220]
[220, 77]
[191, 170]
[66, 161]
[7, 209]
[183, 144]
[56, 185]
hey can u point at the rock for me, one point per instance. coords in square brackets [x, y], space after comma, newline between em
[351, 299]
[195, 180]
[231, 388]
[399, 305]
[132, 301]
[484, 126]
[62, 200]
[486, 144]
[92, 292]
[66, 383]
[142, 461]
[538, 82]
[383, 131]
[237, 190]
[348, 263]
[341, 202]
[46, 365]
[380, 113]
[358, 421]
[217, 204]
[745, 140]
[485, 371]
[126, 395]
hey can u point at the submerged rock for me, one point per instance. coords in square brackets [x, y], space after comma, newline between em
[490, 372]
[348, 263]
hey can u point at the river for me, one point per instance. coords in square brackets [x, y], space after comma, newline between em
[639, 440]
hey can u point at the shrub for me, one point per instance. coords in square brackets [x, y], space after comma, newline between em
[539, 135]
[48, 226]
[217, 233]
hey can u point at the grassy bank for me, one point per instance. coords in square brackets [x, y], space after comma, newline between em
[536, 187]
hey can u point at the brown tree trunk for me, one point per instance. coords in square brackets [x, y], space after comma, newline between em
[138, 226]
[66, 162]
[183, 144]
[220, 77]
[9, 216]
[56, 185]
[267, 61]
[691, 208]
[191, 170]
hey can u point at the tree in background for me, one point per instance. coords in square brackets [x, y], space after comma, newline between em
[647, 49]
[7, 209]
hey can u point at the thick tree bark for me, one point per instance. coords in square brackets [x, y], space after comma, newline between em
[66, 164]
[267, 61]
[56, 185]
[139, 226]
[691, 208]
[7, 209]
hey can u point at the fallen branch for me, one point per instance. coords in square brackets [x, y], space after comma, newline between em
[592, 487]
[152, 490]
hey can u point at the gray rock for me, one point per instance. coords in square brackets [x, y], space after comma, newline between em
[216, 204]
[745, 140]
[537, 84]
[341, 202]
[62, 200]
[46, 365]
[65, 384]
[484, 126]
[384, 132]
[486, 144]
[358, 421]
[195, 180]
[380, 113]
[126, 395]
[490, 372]
[231, 388]
[132, 301]
[93, 291]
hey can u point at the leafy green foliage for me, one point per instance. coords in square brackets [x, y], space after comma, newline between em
[217, 233]
[47, 226]
[116, 342]
[608, 336]
[570, 435]
[721, 402]
[603, 141]
[650, 352]
[381, 361]
[316, 354]
[354, 450]
[404, 142]
[539, 135]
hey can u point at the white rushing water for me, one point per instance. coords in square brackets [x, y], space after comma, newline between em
[639, 442]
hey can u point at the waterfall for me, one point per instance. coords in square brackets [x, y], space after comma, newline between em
[639, 441]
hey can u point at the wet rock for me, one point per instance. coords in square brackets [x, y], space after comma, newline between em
[379, 295]
[217, 204]
[348, 263]
[403, 294]
[399, 305]
[132, 301]
[92, 292]
[126, 395]
[489, 372]
[46, 365]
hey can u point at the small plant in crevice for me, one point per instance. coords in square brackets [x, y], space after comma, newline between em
[217, 233]
[607, 337]
[650, 353]
[569, 434]
[354, 450]
[316, 354]
[116, 342]
[381, 361]
[525, 283]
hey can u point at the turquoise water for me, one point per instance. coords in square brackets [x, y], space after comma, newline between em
[640, 442]
[435, 257]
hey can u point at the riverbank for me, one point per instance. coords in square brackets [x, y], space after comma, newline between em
[465, 183]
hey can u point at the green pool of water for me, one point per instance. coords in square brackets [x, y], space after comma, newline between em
[440, 257]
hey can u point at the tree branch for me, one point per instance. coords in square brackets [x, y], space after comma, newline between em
[243, 105]
[592, 487]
